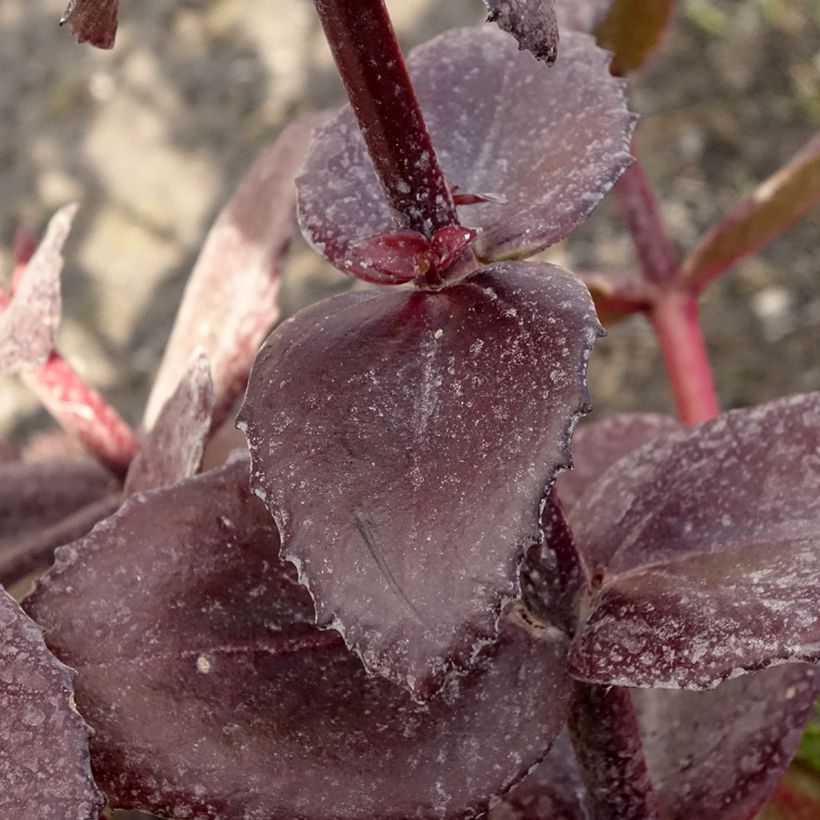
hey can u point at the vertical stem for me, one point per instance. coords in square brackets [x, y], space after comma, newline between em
[607, 743]
[641, 214]
[674, 316]
[372, 68]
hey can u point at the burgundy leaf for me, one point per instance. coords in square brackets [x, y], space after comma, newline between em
[230, 300]
[34, 550]
[28, 324]
[92, 21]
[718, 755]
[44, 763]
[581, 15]
[552, 791]
[403, 440]
[173, 449]
[596, 446]
[707, 545]
[484, 103]
[215, 696]
[531, 22]
[607, 742]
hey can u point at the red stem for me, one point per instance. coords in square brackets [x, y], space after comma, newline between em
[83, 413]
[641, 214]
[371, 65]
[674, 316]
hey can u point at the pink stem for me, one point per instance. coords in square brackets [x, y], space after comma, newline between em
[640, 212]
[674, 317]
[83, 413]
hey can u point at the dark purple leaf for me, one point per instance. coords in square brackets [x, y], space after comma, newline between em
[552, 791]
[215, 696]
[38, 505]
[531, 22]
[551, 143]
[44, 763]
[707, 545]
[403, 440]
[172, 450]
[92, 21]
[719, 755]
[28, 324]
[607, 742]
[230, 300]
[596, 446]
[581, 15]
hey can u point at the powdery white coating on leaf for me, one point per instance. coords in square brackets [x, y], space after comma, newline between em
[172, 450]
[44, 762]
[531, 22]
[403, 441]
[28, 325]
[92, 21]
[214, 696]
[230, 299]
[598, 445]
[707, 542]
[551, 142]
[553, 790]
[719, 755]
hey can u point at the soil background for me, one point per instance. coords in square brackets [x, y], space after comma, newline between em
[151, 137]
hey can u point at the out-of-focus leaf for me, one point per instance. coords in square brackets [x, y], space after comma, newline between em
[403, 440]
[28, 324]
[632, 30]
[598, 445]
[8, 452]
[172, 450]
[809, 751]
[707, 543]
[215, 696]
[92, 21]
[719, 755]
[531, 22]
[581, 15]
[615, 297]
[552, 791]
[779, 202]
[550, 142]
[44, 762]
[35, 501]
[797, 797]
[230, 300]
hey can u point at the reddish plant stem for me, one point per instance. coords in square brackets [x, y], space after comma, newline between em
[372, 68]
[83, 413]
[607, 742]
[641, 214]
[674, 317]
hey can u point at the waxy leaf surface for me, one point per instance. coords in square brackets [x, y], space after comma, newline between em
[92, 21]
[550, 142]
[230, 299]
[719, 755]
[172, 450]
[403, 441]
[215, 696]
[707, 543]
[44, 761]
[597, 445]
[779, 201]
[28, 323]
[554, 790]
[532, 22]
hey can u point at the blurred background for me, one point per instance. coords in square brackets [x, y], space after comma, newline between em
[152, 137]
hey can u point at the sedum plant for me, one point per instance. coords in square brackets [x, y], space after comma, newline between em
[416, 592]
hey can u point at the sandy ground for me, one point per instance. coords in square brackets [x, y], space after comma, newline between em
[150, 139]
